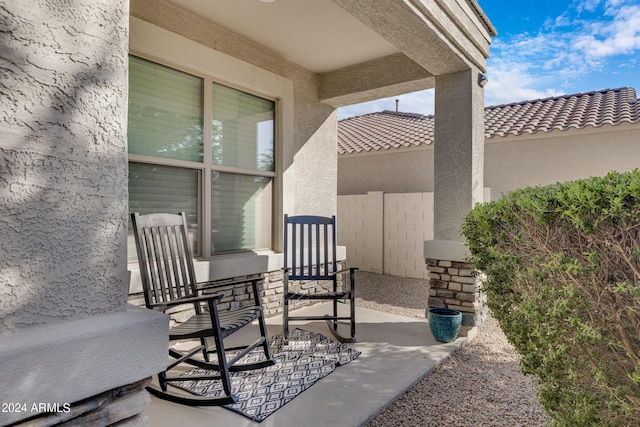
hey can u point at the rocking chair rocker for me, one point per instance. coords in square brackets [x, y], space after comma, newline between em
[168, 278]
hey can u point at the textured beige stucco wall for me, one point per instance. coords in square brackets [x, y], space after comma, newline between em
[315, 178]
[541, 159]
[63, 169]
[510, 162]
[402, 170]
[458, 151]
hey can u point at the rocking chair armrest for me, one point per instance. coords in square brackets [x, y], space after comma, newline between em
[188, 300]
[287, 270]
[346, 270]
[212, 284]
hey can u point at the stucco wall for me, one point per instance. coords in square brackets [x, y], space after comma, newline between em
[510, 162]
[516, 162]
[407, 170]
[63, 169]
[66, 331]
[315, 179]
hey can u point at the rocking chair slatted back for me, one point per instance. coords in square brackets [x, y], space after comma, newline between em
[310, 247]
[165, 258]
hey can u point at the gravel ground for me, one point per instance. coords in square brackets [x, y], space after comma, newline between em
[479, 385]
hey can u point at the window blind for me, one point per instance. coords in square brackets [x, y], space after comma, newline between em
[166, 189]
[241, 212]
[243, 131]
[165, 112]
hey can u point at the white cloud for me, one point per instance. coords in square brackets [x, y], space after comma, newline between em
[619, 35]
[527, 67]
[562, 21]
[512, 82]
[587, 5]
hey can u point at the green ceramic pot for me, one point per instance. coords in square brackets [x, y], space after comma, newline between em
[445, 323]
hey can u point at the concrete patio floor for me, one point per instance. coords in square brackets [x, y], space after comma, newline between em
[396, 351]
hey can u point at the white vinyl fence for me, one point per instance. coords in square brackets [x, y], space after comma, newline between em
[385, 232]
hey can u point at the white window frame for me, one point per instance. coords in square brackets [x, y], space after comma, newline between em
[207, 167]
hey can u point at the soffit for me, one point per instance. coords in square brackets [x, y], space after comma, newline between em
[316, 34]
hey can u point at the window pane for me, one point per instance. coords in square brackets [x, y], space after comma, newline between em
[165, 112]
[243, 130]
[241, 212]
[164, 189]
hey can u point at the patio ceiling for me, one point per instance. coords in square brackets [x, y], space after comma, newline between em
[359, 49]
[316, 34]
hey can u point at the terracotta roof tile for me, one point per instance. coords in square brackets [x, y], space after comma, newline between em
[389, 129]
[381, 131]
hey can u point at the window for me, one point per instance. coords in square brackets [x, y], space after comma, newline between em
[204, 148]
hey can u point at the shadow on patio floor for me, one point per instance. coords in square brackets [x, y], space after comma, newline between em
[397, 351]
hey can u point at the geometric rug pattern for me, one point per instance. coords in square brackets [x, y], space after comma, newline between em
[308, 357]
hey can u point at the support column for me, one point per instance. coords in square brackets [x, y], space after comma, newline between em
[458, 151]
[458, 186]
[67, 333]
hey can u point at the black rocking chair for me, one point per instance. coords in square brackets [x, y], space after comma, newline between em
[168, 278]
[310, 255]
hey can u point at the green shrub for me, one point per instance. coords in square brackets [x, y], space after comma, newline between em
[563, 271]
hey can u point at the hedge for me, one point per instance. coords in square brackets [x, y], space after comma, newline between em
[562, 266]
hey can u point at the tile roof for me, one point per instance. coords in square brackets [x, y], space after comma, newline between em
[389, 129]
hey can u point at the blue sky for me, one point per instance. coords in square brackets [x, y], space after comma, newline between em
[547, 48]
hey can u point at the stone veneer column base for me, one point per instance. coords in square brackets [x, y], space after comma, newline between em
[452, 283]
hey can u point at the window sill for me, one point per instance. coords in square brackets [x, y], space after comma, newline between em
[228, 266]
[222, 267]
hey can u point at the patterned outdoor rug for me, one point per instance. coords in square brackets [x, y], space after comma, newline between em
[308, 357]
